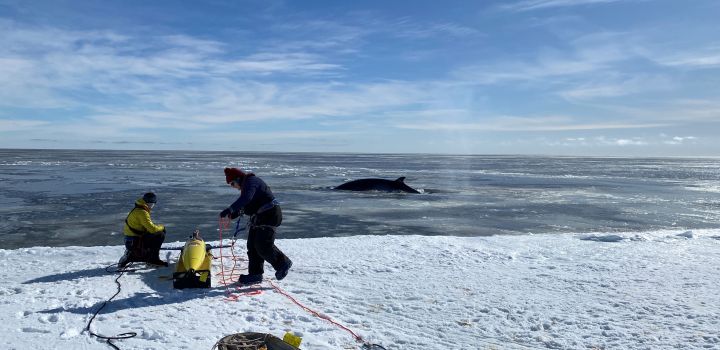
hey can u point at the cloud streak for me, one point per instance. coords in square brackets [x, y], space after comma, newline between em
[538, 124]
[698, 60]
[529, 5]
[19, 124]
[587, 55]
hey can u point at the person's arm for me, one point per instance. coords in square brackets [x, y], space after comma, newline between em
[147, 223]
[248, 192]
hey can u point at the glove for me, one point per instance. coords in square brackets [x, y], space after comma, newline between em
[225, 212]
[234, 215]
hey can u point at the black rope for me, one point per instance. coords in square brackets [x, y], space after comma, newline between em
[121, 335]
[237, 226]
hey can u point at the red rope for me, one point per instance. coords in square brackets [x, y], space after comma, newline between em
[233, 297]
[315, 313]
[229, 296]
[221, 225]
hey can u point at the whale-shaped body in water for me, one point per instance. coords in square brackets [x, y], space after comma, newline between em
[377, 185]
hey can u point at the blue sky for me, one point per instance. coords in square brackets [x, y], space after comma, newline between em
[558, 77]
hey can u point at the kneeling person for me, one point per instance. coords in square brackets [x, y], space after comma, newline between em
[143, 238]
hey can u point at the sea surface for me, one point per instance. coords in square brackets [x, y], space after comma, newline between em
[81, 197]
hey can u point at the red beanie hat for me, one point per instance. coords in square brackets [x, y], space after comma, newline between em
[232, 174]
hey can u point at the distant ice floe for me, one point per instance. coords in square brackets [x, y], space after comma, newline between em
[648, 236]
[686, 234]
[603, 238]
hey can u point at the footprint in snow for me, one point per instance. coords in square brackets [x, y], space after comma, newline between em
[49, 318]
[34, 330]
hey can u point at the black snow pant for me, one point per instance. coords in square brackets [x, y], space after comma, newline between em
[261, 242]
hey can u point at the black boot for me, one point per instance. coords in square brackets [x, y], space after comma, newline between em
[250, 279]
[155, 260]
[282, 272]
[124, 260]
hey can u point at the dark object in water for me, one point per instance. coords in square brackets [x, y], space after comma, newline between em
[377, 185]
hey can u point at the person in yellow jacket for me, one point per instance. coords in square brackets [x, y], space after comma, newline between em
[143, 238]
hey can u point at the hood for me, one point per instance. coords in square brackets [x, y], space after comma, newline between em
[141, 203]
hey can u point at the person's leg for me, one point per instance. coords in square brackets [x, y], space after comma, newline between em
[152, 243]
[126, 258]
[265, 241]
[157, 241]
[136, 247]
[255, 261]
[265, 247]
[129, 241]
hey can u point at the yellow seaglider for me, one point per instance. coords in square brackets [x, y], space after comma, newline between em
[193, 268]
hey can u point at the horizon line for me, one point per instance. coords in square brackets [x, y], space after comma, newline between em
[367, 153]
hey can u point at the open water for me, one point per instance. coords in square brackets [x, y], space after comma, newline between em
[81, 197]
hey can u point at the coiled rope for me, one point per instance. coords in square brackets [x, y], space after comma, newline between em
[251, 341]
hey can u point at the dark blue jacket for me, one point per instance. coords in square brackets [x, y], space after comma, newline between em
[255, 195]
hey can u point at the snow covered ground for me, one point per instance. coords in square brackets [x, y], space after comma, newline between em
[654, 290]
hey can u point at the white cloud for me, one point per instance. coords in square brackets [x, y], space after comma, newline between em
[590, 56]
[614, 85]
[679, 140]
[299, 63]
[628, 142]
[174, 56]
[699, 60]
[552, 123]
[19, 124]
[528, 5]
[277, 135]
[633, 141]
[52, 68]
[406, 27]
[602, 141]
[197, 45]
[670, 111]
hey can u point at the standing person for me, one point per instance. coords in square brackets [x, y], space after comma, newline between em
[257, 201]
[143, 238]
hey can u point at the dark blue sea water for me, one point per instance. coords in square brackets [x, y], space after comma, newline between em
[81, 197]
